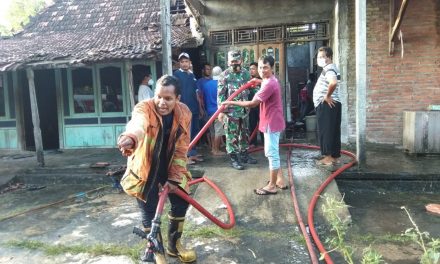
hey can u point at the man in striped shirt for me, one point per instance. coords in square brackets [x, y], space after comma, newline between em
[328, 108]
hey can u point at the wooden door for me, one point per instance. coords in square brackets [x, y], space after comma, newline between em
[251, 53]
[276, 50]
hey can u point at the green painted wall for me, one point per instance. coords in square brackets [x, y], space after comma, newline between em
[90, 136]
[8, 138]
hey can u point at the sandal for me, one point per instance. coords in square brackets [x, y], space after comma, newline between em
[263, 191]
[218, 153]
[285, 187]
[322, 163]
[195, 158]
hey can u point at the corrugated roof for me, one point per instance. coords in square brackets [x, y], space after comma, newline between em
[86, 31]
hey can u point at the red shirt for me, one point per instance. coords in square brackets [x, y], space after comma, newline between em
[271, 107]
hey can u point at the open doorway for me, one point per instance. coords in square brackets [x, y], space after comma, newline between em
[28, 127]
[301, 67]
[45, 89]
[47, 108]
[139, 71]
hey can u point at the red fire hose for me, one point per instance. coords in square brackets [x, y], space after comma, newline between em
[312, 203]
[315, 197]
[164, 193]
[202, 210]
[254, 133]
[248, 85]
[301, 224]
[185, 196]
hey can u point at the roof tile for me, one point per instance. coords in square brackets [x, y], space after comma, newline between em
[86, 31]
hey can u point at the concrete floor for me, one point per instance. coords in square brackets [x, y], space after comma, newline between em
[266, 229]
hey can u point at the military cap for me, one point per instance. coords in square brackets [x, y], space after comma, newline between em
[234, 55]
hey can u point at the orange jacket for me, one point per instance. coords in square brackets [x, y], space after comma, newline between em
[145, 128]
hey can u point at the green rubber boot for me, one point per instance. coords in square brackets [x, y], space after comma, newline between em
[175, 247]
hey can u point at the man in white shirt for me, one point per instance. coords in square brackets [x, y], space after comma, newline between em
[328, 108]
[145, 92]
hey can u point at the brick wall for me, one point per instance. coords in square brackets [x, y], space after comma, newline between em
[398, 84]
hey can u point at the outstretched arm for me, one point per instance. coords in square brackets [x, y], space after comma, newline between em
[249, 104]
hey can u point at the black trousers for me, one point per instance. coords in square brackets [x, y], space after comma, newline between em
[148, 209]
[254, 117]
[329, 129]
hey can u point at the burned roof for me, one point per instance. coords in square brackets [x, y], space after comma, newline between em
[88, 31]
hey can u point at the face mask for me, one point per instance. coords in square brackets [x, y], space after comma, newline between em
[150, 83]
[321, 62]
[236, 67]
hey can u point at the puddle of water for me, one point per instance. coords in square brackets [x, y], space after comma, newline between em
[375, 208]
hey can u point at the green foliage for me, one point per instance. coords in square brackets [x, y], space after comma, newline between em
[19, 14]
[212, 231]
[94, 250]
[431, 249]
[339, 227]
[370, 256]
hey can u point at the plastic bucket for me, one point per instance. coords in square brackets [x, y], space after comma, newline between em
[310, 123]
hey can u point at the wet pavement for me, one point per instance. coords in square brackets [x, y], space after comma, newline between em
[70, 204]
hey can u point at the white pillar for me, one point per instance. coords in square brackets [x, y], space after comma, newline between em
[341, 49]
[361, 80]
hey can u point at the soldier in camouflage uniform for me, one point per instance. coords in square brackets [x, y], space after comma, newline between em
[234, 117]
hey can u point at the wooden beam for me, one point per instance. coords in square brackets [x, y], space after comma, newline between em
[165, 22]
[35, 118]
[129, 74]
[390, 41]
[397, 23]
[60, 114]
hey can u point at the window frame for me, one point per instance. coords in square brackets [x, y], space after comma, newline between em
[70, 89]
[124, 94]
[4, 82]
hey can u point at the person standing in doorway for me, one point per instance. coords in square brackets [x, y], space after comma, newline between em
[156, 141]
[234, 117]
[190, 98]
[328, 108]
[271, 122]
[254, 113]
[145, 89]
[206, 75]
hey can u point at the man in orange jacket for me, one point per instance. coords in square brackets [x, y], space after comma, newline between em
[156, 142]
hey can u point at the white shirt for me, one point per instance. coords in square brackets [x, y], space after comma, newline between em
[321, 86]
[144, 92]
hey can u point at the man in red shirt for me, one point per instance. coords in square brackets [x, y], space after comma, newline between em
[271, 122]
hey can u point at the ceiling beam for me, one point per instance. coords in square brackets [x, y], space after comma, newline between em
[396, 23]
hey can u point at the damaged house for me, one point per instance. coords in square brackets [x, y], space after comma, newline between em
[80, 62]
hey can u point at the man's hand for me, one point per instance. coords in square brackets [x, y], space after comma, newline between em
[221, 117]
[202, 113]
[171, 186]
[329, 100]
[256, 82]
[227, 103]
[126, 145]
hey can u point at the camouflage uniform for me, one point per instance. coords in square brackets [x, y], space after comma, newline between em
[236, 127]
